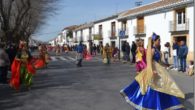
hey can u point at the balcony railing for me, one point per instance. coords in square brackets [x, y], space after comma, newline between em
[98, 37]
[123, 33]
[112, 34]
[175, 27]
[140, 31]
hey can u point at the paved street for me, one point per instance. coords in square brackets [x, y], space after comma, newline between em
[95, 86]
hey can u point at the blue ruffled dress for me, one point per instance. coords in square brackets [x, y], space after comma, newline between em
[152, 100]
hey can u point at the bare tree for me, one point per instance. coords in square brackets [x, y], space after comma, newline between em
[20, 18]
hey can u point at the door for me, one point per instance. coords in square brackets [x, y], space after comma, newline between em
[140, 25]
[180, 38]
[113, 43]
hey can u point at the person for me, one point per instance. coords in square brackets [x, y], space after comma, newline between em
[4, 64]
[124, 51]
[183, 52]
[128, 51]
[140, 57]
[175, 48]
[107, 54]
[115, 54]
[85, 51]
[80, 50]
[58, 50]
[94, 49]
[166, 54]
[153, 88]
[11, 51]
[190, 69]
[133, 51]
[22, 68]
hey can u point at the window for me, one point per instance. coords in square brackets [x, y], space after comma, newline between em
[100, 29]
[113, 28]
[179, 14]
[181, 17]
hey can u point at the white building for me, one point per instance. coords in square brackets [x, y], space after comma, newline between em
[106, 31]
[168, 18]
[84, 34]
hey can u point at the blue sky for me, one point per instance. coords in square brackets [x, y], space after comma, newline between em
[73, 12]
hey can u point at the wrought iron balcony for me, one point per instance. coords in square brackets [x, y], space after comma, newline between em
[112, 34]
[140, 31]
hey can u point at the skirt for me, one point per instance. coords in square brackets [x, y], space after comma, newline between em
[152, 100]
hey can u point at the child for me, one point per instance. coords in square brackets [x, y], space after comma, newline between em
[190, 70]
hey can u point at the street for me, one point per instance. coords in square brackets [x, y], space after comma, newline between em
[95, 86]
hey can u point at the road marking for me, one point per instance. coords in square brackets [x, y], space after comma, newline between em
[53, 58]
[62, 58]
[71, 58]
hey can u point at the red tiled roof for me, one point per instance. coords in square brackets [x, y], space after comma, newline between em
[149, 6]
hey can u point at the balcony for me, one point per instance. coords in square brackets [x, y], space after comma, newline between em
[98, 37]
[123, 34]
[112, 35]
[182, 28]
[140, 31]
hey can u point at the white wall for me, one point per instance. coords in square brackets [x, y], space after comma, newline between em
[190, 15]
[106, 27]
[159, 23]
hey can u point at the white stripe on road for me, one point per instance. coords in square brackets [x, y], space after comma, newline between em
[53, 58]
[62, 58]
[71, 58]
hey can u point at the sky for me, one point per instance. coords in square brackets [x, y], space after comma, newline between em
[75, 12]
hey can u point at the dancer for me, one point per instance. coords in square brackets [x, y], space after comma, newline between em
[42, 61]
[140, 56]
[107, 54]
[153, 88]
[22, 68]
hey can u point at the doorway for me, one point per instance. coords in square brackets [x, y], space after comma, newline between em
[181, 38]
[113, 43]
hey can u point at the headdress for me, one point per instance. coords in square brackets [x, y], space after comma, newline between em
[154, 36]
[22, 44]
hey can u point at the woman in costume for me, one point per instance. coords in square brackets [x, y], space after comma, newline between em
[107, 54]
[58, 50]
[22, 68]
[140, 57]
[43, 59]
[153, 88]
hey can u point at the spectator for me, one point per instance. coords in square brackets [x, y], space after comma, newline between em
[128, 49]
[175, 48]
[133, 51]
[4, 63]
[183, 52]
[124, 51]
[166, 54]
